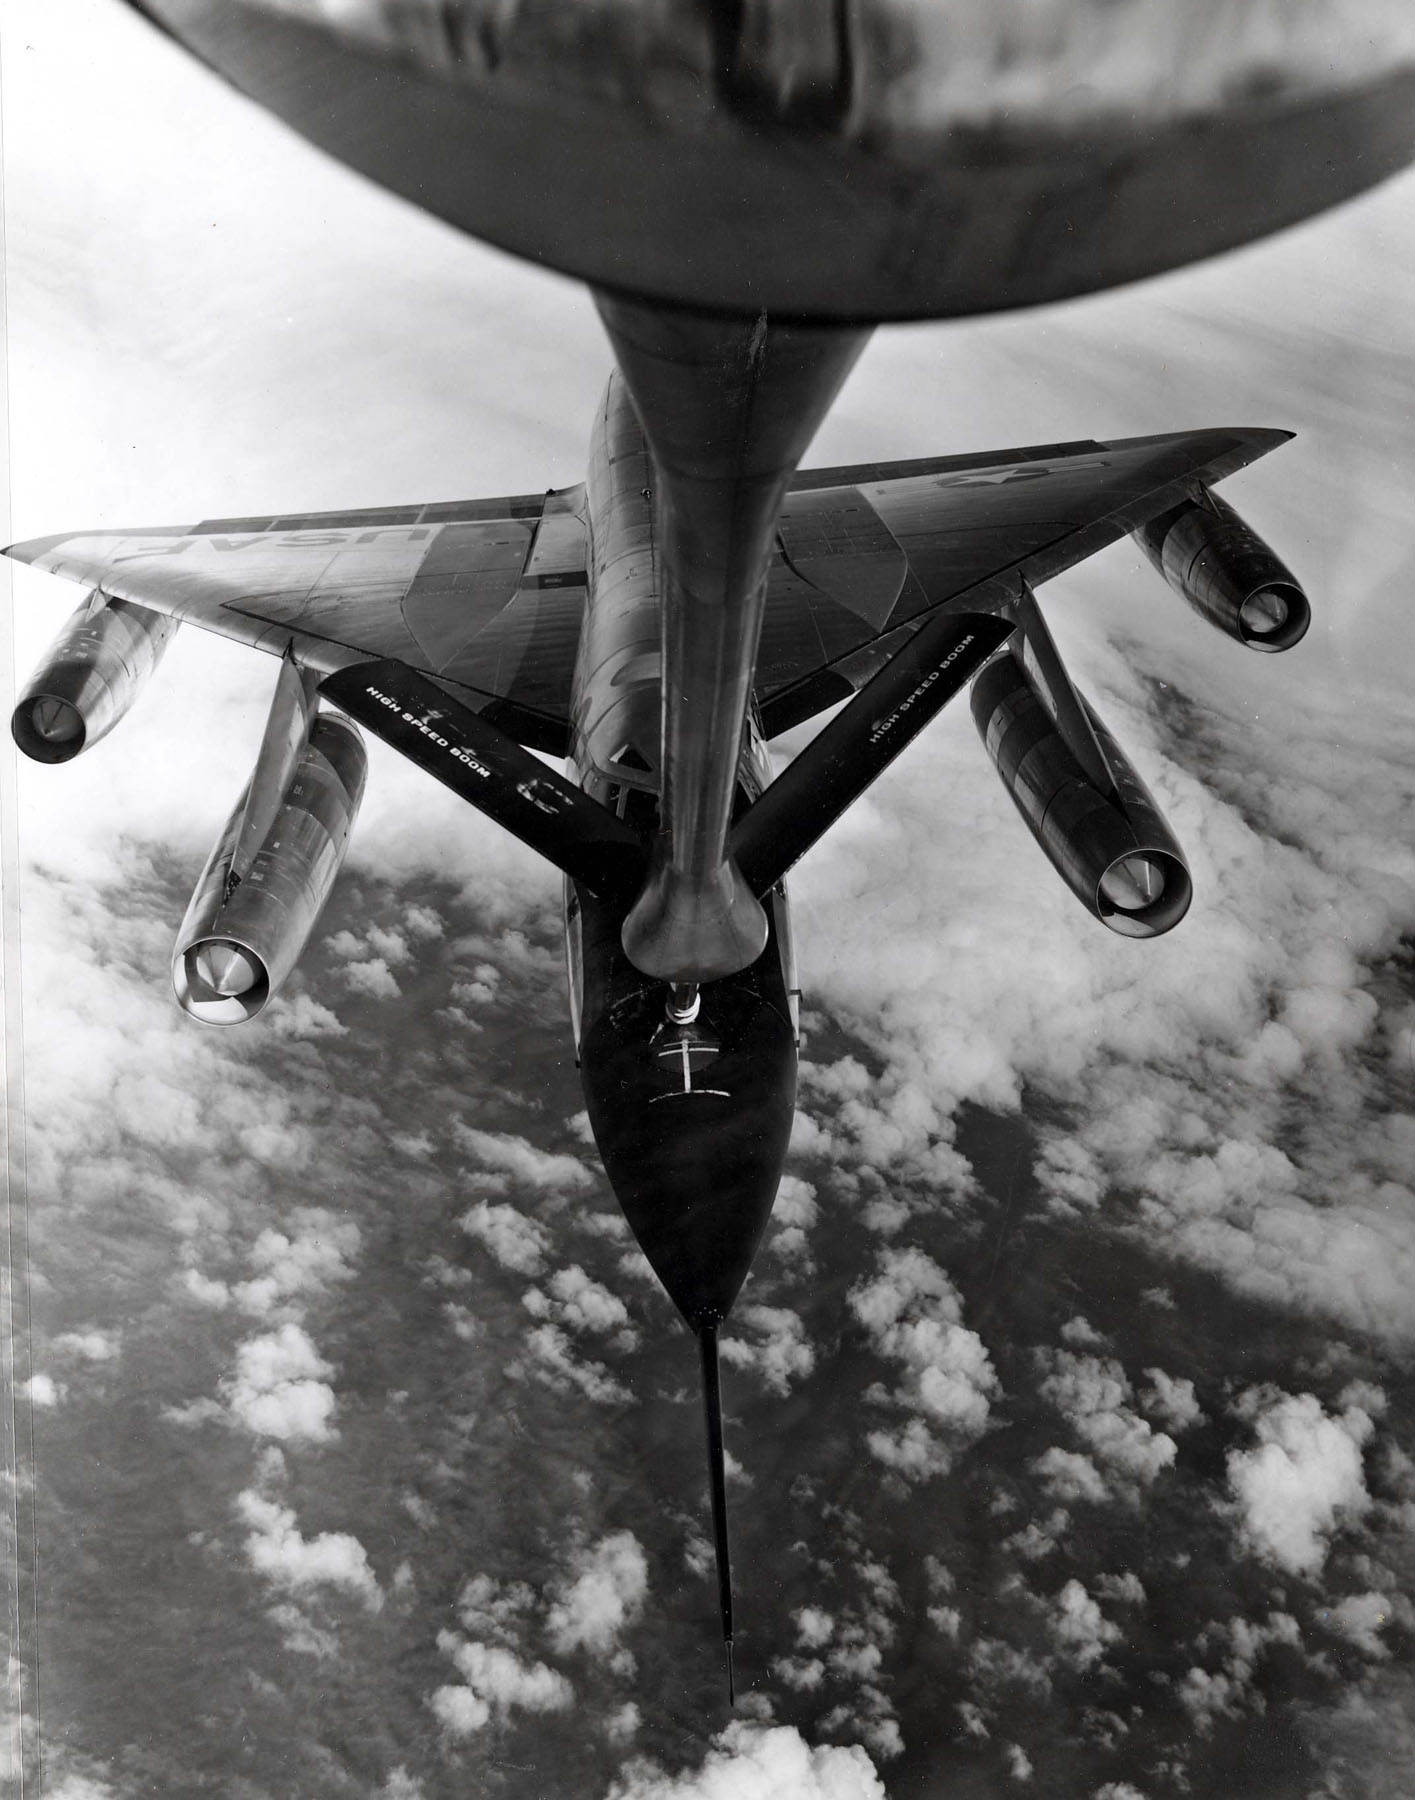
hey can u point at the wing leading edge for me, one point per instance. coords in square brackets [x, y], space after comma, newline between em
[865, 554]
[487, 596]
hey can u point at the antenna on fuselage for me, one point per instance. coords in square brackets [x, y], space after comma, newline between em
[717, 1484]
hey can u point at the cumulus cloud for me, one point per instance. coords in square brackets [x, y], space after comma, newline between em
[1361, 1618]
[902, 1124]
[521, 1160]
[495, 1682]
[388, 943]
[972, 1719]
[299, 1016]
[778, 1350]
[1127, 1589]
[1224, 1692]
[306, 1259]
[1081, 1630]
[996, 1664]
[581, 1304]
[373, 978]
[423, 922]
[622, 1725]
[1036, 1540]
[279, 1390]
[604, 1597]
[74, 1786]
[494, 1609]
[1171, 1399]
[814, 1626]
[549, 1357]
[756, 1762]
[1069, 1475]
[300, 1634]
[91, 1346]
[515, 1241]
[1302, 1479]
[914, 1316]
[793, 1217]
[276, 1549]
[799, 1672]
[1094, 1394]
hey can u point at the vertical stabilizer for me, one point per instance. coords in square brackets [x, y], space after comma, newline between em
[717, 1484]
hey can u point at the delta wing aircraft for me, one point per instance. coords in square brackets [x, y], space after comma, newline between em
[470, 634]
[747, 188]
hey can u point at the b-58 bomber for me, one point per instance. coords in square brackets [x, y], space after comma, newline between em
[751, 189]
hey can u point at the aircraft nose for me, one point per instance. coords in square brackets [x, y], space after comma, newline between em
[692, 1122]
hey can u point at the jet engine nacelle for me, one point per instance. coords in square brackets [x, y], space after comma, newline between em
[1114, 851]
[95, 669]
[1226, 572]
[252, 914]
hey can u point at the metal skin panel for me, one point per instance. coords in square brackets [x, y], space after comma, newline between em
[90, 676]
[1018, 517]
[468, 575]
[838, 544]
[1085, 833]
[268, 913]
[1219, 564]
[866, 160]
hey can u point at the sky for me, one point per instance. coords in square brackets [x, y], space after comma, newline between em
[1073, 1431]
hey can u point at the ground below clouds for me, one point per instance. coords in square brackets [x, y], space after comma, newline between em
[363, 1436]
